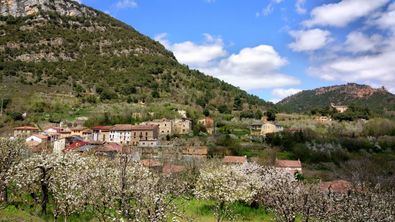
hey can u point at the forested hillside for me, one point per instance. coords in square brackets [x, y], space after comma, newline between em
[65, 49]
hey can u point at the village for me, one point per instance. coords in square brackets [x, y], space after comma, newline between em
[158, 144]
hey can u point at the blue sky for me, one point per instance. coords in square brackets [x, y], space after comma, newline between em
[272, 48]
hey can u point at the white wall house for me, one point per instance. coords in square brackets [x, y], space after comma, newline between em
[36, 138]
[121, 134]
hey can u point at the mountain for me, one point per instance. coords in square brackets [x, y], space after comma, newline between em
[60, 48]
[377, 100]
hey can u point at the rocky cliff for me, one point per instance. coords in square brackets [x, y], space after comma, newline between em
[20, 8]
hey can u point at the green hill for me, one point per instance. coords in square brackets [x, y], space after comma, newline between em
[377, 100]
[61, 49]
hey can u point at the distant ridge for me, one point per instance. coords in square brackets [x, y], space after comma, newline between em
[376, 99]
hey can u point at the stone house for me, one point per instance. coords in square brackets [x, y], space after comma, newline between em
[144, 133]
[182, 126]
[25, 131]
[340, 109]
[77, 131]
[270, 127]
[166, 127]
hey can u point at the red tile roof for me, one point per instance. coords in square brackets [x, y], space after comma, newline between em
[75, 145]
[288, 163]
[235, 159]
[26, 128]
[110, 147]
[102, 128]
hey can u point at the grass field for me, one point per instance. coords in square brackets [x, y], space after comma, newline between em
[194, 210]
[202, 211]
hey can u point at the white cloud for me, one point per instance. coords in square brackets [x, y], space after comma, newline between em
[299, 6]
[386, 20]
[342, 13]
[364, 58]
[162, 38]
[268, 9]
[249, 69]
[281, 93]
[253, 68]
[358, 42]
[195, 55]
[309, 40]
[376, 69]
[123, 4]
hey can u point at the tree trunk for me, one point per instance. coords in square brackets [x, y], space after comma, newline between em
[44, 188]
[220, 211]
[44, 192]
[5, 194]
[124, 199]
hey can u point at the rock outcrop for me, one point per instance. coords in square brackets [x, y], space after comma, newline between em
[21, 8]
